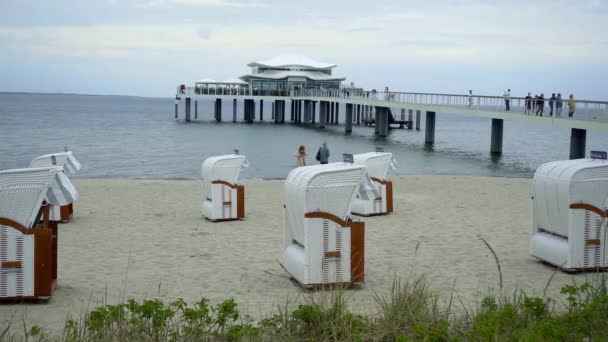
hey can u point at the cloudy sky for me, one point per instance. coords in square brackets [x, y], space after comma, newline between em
[147, 47]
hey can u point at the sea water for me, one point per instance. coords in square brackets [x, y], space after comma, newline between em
[137, 137]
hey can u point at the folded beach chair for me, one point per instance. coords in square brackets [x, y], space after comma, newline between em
[569, 201]
[28, 240]
[375, 198]
[70, 165]
[323, 246]
[223, 198]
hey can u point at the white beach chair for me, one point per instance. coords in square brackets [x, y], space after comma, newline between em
[70, 165]
[323, 246]
[28, 240]
[377, 198]
[569, 201]
[223, 198]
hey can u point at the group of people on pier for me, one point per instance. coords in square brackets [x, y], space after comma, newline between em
[536, 105]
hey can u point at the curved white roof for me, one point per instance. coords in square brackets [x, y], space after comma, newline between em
[234, 81]
[207, 80]
[281, 74]
[292, 60]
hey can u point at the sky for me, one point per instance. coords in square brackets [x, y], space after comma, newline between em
[148, 47]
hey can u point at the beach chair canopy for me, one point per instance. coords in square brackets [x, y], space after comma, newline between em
[65, 160]
[222, 168]
[377, 163]
[328, 188]
[23, 190]
[557, 185]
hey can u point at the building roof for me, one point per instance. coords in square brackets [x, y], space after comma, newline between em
[233, 81]
[207, 80]
[292, 60]
[283, 74]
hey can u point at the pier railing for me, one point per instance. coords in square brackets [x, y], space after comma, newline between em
[584, 109]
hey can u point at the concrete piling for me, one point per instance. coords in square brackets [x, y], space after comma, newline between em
[418, 120]
[496, 138]
[578, 141]
[429, 137]
[188, 101]
[348, 120]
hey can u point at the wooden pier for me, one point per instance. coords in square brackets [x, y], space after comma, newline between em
[381, 110]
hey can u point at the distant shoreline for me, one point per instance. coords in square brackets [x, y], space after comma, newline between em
[77, 94]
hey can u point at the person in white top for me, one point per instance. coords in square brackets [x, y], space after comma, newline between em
[507, 96]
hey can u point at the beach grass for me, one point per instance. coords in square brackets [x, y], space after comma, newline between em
[406, 311]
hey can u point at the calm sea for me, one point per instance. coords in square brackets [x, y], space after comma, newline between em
[134, 137]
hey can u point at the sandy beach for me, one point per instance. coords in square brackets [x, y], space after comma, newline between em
[143, 239]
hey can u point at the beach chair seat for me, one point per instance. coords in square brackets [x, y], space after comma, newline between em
[28, 239]
[569, 202]
[223, 197]
[375, 198]
[70, 165]
[323, 246]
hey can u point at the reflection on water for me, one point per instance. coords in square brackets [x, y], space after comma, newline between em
[131, 137]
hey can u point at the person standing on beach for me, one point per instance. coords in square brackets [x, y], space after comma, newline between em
[571, 106]
[552, 103]
[528, 104]
[323, 154]
[470, 98]
[507, 96]
[300, 156]
[558, 105]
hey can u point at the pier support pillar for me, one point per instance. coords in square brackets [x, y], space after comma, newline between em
[196, 109]
[337, 122]
[272, 107]
[293, 110]
[358, 114]
[323, 109]
[279, 111]
[261, 110]
[188, 101]
[429, 137]
[314, 111]
[418, 120]
[381, 125]
[331, 113]
[234, 104]
[176, 102]
[218, 110]
[496, 139]
[348, 119]
[410, 118]
[578, 140]
[249, 110]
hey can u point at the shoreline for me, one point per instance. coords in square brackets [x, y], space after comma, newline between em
[147, 239]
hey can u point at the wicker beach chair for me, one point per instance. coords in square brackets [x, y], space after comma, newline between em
[70, 165]
[28, 239]
[569, 201]
[376, 199]
[323, 246]
[223, 198]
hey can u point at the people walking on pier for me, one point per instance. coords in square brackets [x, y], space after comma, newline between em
[470, 98]
[552, 103]
[540, 105]
[323, 154]
[507, 96]
[300, 156]
[558, 105]
[528, 104]
[571, 106]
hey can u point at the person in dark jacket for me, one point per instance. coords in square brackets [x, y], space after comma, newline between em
[540, 105]
[552, 100]
[323, 154]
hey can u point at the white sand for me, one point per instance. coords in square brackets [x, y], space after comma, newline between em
[145, 239]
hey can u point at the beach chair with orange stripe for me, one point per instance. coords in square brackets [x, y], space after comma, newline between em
[223, 197]
[375, 198]
[28, 239]
[323, 246]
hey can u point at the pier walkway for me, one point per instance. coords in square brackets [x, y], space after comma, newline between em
[323, 108]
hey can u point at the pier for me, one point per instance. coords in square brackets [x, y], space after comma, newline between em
[377, 109]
